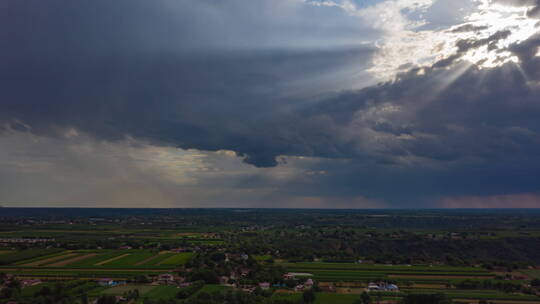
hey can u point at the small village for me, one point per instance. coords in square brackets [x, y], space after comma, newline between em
[317, 257]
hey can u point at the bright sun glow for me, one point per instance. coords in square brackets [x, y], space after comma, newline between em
[482, 39]
[502, 26]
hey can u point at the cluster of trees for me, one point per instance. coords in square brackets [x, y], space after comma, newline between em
[209, 265]
[206, 275]
[308, 297]
[106, 299]
[364, 299]
[346, 245]
[60, 293]
[11, 289]
[57, 294]
[132, 295]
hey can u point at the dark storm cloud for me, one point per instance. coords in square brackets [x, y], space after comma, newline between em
[476, 133]
[162, 73]
[171, 81]
[82, 28]
[238, 101]
[208, 102]
[446, 132]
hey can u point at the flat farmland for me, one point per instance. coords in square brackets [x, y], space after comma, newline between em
[428, 286]
[320, 298]
[79, 273]
[98, 263]
[156, 259]
[488, 295]
[120, 290]
[438, 276]
[357, 272]
[177, 259]
[335, 298]
[111, 260]
[162, 292]
[97, 259]
[287, 295]
[131, 259]
[31, 290]
[385, 268]
[118, 259]
[457, 296]
[49, 259]
[27, 255]
[76, 258]
[209, 288]
[470, 294]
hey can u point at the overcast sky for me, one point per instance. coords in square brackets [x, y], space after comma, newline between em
[270, 103]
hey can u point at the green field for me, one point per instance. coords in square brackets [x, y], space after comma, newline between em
[102, 259]
[26, 255]
[385, 268]
[162, 292]
[31, 290]
[156, 261]
[177, 259]
[80, 273]
[331, 298]
[60, 258]
[157, 292]
[131, 259]
[287, 296]
[334, 298]
[98, 263]
[206, 242]
[262, 257]
[465, 294]
[404, 275]
[92, 261]
[320, 297]
[120, 290]
[41, 258]
[212, 288]
[359, 272]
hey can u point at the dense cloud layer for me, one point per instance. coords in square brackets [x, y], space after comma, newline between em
[451, 128]
[205, 103]
[149, 75]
